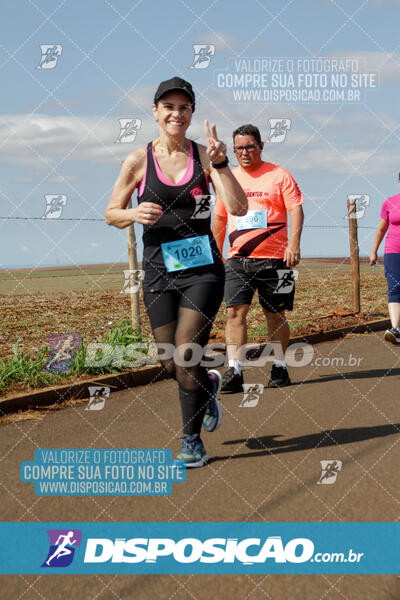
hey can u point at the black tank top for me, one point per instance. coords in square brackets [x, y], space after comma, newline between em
[186, 213]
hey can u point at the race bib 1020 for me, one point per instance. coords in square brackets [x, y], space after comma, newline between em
[187, 253]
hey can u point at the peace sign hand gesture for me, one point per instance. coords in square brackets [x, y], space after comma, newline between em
[216, 150]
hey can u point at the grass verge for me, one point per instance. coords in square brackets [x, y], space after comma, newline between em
[21, 368]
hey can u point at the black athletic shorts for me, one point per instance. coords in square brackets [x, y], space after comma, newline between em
[273, 280]
[163, 307]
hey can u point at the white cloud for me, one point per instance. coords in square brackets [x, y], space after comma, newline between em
[41, 141]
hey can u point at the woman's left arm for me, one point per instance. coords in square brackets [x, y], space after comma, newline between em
[225, 184]
[380, 234]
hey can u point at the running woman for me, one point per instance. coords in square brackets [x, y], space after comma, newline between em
[390, 223]
[183, 271]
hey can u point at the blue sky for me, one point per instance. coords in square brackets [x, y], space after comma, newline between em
[59, 126]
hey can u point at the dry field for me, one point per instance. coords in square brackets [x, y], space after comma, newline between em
[88, 300]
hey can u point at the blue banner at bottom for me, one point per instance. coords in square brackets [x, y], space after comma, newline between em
[192, 548]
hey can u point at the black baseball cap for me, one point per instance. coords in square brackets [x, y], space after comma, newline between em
[172, 85]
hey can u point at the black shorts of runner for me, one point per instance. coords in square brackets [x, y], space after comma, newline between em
[204, 297]
[270, 277]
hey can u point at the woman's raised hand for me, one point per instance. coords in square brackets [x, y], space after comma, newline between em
[216, 150]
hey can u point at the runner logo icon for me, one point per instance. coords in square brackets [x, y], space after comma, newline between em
[286, 279]
[128, 130]
[251, 394]
[202, 55]
[330, 470]
[361, 203]
[133, 277]
[98, 395]
[278, 130]
[202, 210]
[50, 55]
[62, 547]
[54, 205]
[63, 347]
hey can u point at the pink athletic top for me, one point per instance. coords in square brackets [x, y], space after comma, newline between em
[391, 212]
[185, 178]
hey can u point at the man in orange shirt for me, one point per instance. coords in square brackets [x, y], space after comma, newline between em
[260, 256]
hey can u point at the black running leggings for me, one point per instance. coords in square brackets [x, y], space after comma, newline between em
[180, 317]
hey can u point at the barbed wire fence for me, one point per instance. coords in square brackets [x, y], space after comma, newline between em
[351, 224]
[344, 226]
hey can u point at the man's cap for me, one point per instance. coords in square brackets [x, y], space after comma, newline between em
[176, 84]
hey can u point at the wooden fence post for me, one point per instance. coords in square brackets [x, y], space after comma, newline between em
[133, 266]
[354, 254]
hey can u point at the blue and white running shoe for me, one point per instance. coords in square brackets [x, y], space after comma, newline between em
[213, 415]
[392, 335]
[192, 451]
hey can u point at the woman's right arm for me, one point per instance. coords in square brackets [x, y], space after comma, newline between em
[380, 234]
[131, 173]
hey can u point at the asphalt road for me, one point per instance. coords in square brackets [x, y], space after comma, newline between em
[264, 466]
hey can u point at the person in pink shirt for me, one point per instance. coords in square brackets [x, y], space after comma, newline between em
[389, 225]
